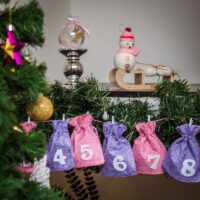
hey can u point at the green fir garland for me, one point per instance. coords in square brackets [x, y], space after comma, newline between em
[176, 106]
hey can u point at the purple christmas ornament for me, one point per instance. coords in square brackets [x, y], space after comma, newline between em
[182, 161]
[59, 154]
[119, 160]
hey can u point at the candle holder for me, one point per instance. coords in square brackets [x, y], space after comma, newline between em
[73, 69]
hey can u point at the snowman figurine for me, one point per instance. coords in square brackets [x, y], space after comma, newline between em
[125, 57]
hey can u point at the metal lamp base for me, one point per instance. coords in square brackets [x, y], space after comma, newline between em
[73, 69]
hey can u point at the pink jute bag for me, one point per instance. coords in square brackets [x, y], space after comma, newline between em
[148, 150]
[86, 146]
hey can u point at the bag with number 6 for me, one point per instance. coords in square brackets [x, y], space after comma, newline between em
[119, 160]
[148, 150]
[182, 161]
[85, 142]
[59, 154]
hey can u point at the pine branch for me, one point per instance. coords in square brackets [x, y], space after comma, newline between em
[7, 118]
[178, 106]
[16, 188]
[24, 147]
[4, 1]
[28, 22]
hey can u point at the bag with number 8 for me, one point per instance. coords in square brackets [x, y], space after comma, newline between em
[148, 150]
[59, 154]
[86, 146]
[119, 160]
[182, 161]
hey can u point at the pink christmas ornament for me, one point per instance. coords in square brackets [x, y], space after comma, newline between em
[18, 45]
[28, 126]
[24, 167]
[12, 48]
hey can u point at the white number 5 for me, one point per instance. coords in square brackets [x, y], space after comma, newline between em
[156, 159]
[87, 153]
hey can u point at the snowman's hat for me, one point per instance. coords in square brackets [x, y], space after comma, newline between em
[127, 35]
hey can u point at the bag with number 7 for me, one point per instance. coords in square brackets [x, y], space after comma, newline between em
[182, 161]
[85, 142]
[148, 150]
[119, 160]
[59, 153]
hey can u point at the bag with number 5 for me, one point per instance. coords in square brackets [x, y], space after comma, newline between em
[59, 153]
[86, 146]
[182, 161]
[119, 160]
[148, 150]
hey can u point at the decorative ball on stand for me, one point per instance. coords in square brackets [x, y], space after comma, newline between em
[41, 109]
[72, 35]
[71, 38]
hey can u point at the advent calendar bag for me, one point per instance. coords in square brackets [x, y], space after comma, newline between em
[59, 154]
[119, 160]
[182, 161]
[85, 142]
[148, 150]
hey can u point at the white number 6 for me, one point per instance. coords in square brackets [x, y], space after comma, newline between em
[87, 153]
[118, 163]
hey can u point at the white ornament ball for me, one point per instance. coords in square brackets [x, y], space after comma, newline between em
[105, 116]
[72, 36]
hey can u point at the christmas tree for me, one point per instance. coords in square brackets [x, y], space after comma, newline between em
[20, 80]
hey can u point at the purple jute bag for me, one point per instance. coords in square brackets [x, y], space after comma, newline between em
[59, 153]
[119, 160]
[182, 161]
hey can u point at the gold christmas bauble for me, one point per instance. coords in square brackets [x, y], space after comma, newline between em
[41, 109]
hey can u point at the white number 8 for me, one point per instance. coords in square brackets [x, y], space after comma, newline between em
[87, 153]
[118, 163]
[188, 168]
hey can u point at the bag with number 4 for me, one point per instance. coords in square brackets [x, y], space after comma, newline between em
[85, 142]
[59, 154]
[148, 150]
[119, 160]
[182, 161]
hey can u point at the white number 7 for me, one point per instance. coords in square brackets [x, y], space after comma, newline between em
[156, 159]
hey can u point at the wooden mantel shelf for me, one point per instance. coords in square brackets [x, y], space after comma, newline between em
[118, 92]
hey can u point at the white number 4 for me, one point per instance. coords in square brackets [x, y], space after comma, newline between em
[156, 159]
[87, 153]
[59, 157]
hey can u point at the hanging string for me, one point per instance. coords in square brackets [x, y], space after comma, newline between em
[100, 121]
[10, 16]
